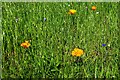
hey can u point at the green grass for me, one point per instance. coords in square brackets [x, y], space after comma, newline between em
[53, 40]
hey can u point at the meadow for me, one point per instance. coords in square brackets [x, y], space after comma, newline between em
[53, 34]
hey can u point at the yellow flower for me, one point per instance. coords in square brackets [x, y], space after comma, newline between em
[77, 52]
[93, 7]
[72, 11]
[26, 44]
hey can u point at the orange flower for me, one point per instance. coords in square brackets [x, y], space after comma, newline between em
[26, 44]
[72, 11]
[77, 52]
[93, 7]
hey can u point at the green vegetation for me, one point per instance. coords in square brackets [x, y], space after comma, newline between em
[52, 40]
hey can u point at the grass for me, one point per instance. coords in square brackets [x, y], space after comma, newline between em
[53, 40]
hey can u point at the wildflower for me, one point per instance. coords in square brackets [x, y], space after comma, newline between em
[69, 5]
[77, 52]
[103, 44]
[97, 12]
[93, 7]
[108, 45]
[16, 20]
[26, 44]
[72, 11]
[44, 19]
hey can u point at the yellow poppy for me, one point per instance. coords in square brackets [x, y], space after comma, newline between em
[93, 7]
[72, 11]
[77, 52]
[26, 44]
